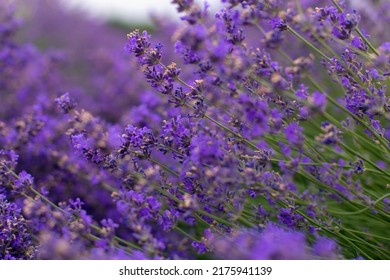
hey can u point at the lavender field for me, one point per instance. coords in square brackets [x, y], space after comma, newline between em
[260, 131]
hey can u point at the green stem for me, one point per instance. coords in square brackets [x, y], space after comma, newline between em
[361, 210]
[185, 233]
[353, 152]
[367, 234]
[303, 39]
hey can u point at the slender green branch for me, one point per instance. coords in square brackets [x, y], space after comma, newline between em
[303, 39]
[361, 210]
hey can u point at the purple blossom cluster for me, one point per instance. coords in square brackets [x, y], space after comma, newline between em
[260, 131]
[270, 243]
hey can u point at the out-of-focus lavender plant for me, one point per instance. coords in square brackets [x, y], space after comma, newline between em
[258, 132]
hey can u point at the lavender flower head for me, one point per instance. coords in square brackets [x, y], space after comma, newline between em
[264, 126]
[271, 243]
[16, 241]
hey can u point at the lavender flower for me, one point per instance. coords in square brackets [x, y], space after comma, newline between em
[273, 242]
[265, 111]
[16, 241]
